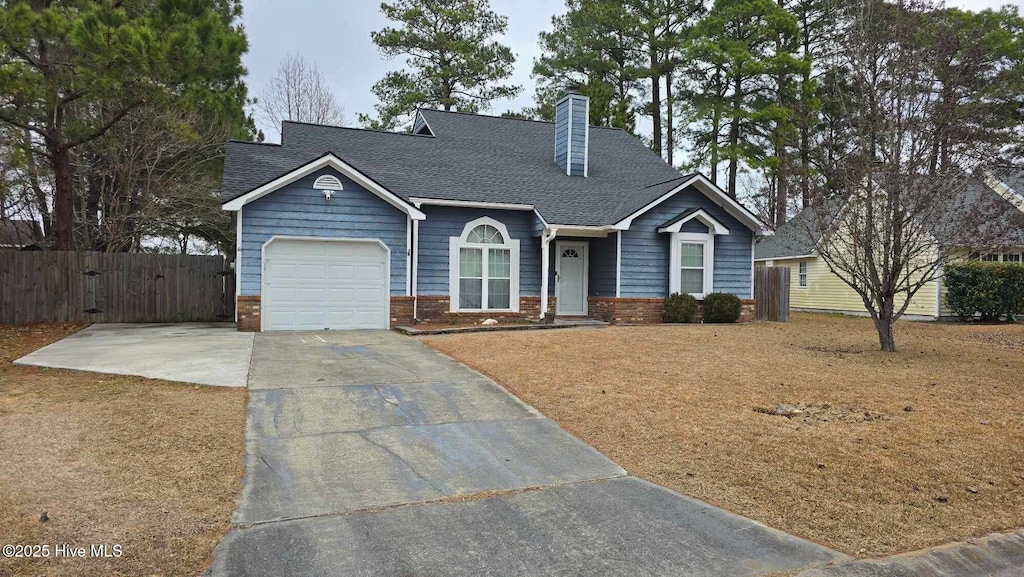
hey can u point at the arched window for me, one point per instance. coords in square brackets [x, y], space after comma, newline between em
[484, 268]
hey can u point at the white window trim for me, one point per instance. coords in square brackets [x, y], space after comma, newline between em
[701, 216]
[708, 240]
[805, 276]
[457, 242]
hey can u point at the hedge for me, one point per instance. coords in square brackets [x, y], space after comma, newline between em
[680, 308]
[722, 308]
[991, 290]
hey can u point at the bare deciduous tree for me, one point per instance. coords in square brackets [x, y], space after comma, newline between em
[299, 92]
[895, 221]
[154, 180]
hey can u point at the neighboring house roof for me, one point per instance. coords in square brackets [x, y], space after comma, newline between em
[798, 236]
[19, 232]
[474, 158]
[1012, 177]
[987, 212]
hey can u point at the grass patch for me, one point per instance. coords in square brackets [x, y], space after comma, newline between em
[887, 453]
[153, 466]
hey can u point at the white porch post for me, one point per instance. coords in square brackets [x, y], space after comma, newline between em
[545, 257]
[415, 264]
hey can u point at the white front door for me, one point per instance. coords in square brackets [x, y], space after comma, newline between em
[571, 278]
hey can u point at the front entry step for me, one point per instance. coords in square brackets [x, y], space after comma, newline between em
[579, 321]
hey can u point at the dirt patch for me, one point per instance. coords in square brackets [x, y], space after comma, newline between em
[150, 465]
[823, 413]
[938, 457]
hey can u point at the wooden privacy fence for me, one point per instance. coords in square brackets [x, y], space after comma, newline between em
[41, 286]
[771, 289]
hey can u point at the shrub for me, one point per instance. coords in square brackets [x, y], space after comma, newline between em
[990, 290]
[680, 308]
[722, 308]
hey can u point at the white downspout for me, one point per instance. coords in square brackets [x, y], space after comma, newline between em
[238, 259]
[545, 256]
[618, 264]
[415, 264]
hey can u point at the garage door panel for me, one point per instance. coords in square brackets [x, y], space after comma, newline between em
[341, 296]
[311, 271]
[367, 295]
[281, 269]
[341, 272]
[312, 296]
[370, 273]
[282, 295]
[314, 284]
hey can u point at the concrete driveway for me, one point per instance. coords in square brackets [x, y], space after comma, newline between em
[370, 454]
[203, 353]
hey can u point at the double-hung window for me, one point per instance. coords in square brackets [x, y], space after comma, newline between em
[691, 267]
[691, 264]
[802, 274]
[484, 268]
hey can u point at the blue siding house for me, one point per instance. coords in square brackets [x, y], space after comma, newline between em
[476, 216]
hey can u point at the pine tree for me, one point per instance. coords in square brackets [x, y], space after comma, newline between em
[452, 59]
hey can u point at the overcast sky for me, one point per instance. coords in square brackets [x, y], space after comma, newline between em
[335, 35]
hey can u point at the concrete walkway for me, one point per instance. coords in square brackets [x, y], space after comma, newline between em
[370, 454]
[204, 353]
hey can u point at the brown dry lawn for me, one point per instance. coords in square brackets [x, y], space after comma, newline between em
[896, 451]
[151, 465]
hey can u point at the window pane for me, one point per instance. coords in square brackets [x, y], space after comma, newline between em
[990, 257]
[691, 280]
[470, 293]
[470, 262]
[485, 234]
[498, 293]
[1011, 257]
[691, 254]
[499, 263]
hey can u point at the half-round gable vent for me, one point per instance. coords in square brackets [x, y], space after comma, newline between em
[327, 182]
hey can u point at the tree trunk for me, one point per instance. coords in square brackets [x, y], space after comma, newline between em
[886, 338]
[884, 325]
[716, 124]
[92, 212]
[734, 136]
[655, 99]
[805, 117]
[63, 193]
[669, 140]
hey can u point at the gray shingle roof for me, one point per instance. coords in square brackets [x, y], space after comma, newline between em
[976, 213]
[15, 232]
[797, 237]
[1012, 177]
[471, 158]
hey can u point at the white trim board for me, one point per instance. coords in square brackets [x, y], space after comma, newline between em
[326, 161]
[700, 215]
[785, 257]
[719, 196]
[418, 202]
[674, 273]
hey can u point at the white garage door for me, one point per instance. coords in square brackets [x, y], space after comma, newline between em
[317, 285]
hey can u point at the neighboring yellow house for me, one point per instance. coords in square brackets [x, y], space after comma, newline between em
[814, 288]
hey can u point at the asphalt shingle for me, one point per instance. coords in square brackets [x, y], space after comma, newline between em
[471, 158]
